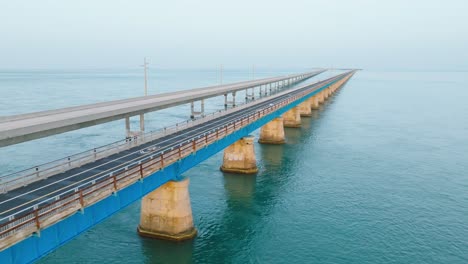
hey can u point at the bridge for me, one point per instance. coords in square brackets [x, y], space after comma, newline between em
[20, 128]
[45, 206]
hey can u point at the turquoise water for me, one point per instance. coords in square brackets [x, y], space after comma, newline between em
[377, 175]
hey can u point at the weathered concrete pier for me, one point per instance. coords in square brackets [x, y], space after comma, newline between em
[166, 212]
[240, 157]
[273, 132]
[292, 118]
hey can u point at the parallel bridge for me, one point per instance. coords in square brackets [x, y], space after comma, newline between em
[19, 128]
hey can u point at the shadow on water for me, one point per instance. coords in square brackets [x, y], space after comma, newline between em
[240, 189]
[161, 251]
[271, 156]
[294, 136]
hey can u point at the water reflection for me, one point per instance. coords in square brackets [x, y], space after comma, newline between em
[160, 251]
[294, 135]
[315, 114]
[239, 188]
[270, 155]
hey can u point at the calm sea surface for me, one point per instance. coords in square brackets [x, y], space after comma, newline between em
[378, 175]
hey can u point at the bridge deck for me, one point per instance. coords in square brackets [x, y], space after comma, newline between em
[20, 128]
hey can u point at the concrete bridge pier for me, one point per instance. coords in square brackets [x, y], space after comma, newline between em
[320, 98]
[166, 213]
[240, 157]
[314, 102]
[292, 118]
[305, 109]
[249, 96]
[325, 94]
[272, 132]
[129, 133]
[227, 102]
[200, 113]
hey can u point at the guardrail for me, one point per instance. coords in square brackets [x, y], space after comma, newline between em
[21, 178]
[45, 213]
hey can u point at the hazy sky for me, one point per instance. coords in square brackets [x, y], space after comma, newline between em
[393, 34]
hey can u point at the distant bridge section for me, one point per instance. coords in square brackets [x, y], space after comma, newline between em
[20, 128]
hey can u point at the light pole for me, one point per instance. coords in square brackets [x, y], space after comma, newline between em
[253, 72]
[221, 74]
[145, 67]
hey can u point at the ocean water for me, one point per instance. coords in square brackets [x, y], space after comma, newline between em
[377, 175]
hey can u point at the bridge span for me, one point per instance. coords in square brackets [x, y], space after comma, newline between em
[19, 128]
[45, 208]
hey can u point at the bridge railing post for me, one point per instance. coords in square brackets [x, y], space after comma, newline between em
[81, 198]
[36, 219]
[114, 181]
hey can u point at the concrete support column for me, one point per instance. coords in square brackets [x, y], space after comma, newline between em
[320, 97]
[292, 118]
[127, 126]
[314, 102]
[129, 133]
[272, 132]
[227, 102]
[194, 113]
[166, 213]
[304, 108]
[142, 123]
[249, 96]
[325, 94]
[240, 157]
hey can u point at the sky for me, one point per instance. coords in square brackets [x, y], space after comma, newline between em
[367, 34]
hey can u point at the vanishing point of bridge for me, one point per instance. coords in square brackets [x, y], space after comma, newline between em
[45, 206]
